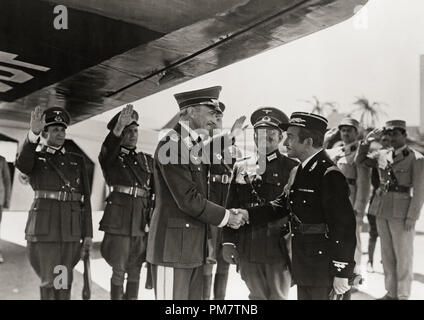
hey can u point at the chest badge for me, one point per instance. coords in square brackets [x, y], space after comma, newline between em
[313, 166]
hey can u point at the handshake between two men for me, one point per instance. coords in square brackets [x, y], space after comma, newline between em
[238, 218]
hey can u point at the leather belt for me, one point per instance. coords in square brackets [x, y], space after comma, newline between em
[59, 195]
[402, 189]
[224, 178]
[351, 181]
[132, 191]
[316, 228]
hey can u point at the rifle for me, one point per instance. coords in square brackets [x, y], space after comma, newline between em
[86, 290]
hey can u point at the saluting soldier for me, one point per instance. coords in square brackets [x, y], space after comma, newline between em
[260, 251]
[397, 205]
[177, 246]
[60, 215]
[129, 175]
[317, 200]
[357, 177]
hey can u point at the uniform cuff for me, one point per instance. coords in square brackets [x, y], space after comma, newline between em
[225, 220]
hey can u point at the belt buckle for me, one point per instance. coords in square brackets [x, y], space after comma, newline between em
[133, 192]
[225, 179]
[62, 193]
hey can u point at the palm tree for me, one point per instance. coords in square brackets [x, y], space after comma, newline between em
[369, 112]
[321, 108]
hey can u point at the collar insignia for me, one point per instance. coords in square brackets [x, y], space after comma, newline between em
[272, 157]
[313, 166]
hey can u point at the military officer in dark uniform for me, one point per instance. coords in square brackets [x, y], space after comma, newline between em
[323, 221]
[177, 245]
[219, 182]
[60, 216]
[129, 175]
[261, 251]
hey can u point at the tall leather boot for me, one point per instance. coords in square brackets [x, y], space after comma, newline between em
[116, 292]
[220, 286]
[62, 294]
[47, 293]
[131, 290]
[207, 285]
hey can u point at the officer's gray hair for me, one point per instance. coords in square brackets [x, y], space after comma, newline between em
[184, 113]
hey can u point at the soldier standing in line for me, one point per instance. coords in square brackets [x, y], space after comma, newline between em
[385, 143]
[260, 251]
[397, 205]
[5, 186]
[129, 175]
[357, 177]
[322, 218]
[60, 215]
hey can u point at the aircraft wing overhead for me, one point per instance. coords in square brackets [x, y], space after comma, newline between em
[115, 52]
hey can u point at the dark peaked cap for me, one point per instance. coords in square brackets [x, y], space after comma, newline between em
[112, 123]
[208, 97]
[268, 117]
[57, 116]
[306, 120]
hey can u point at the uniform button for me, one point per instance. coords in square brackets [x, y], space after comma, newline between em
[337, 241]
[304, 201]
[292, 234]
[62, 164]
[63, 187]
[198, 169]
[136, 184]
[319, 252]
[187, 225]
[278, 184]
[291, 191]
[135, 162]
[291, 202]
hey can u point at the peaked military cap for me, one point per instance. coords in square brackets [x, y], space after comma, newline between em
[57, 116]
[306, 120]
[208, 97]
[349, 122]
[114, 120]
[268, 117]
[395, 124]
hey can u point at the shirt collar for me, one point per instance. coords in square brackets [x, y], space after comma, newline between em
[304, 163]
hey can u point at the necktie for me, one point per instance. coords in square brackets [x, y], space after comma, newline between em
[298, 172]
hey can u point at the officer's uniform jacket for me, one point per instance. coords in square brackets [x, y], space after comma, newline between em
[178, 229]
[408, 169]
[259, 244]
[318, 194]
[357, 177]
[125, 214]
[51, 220]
